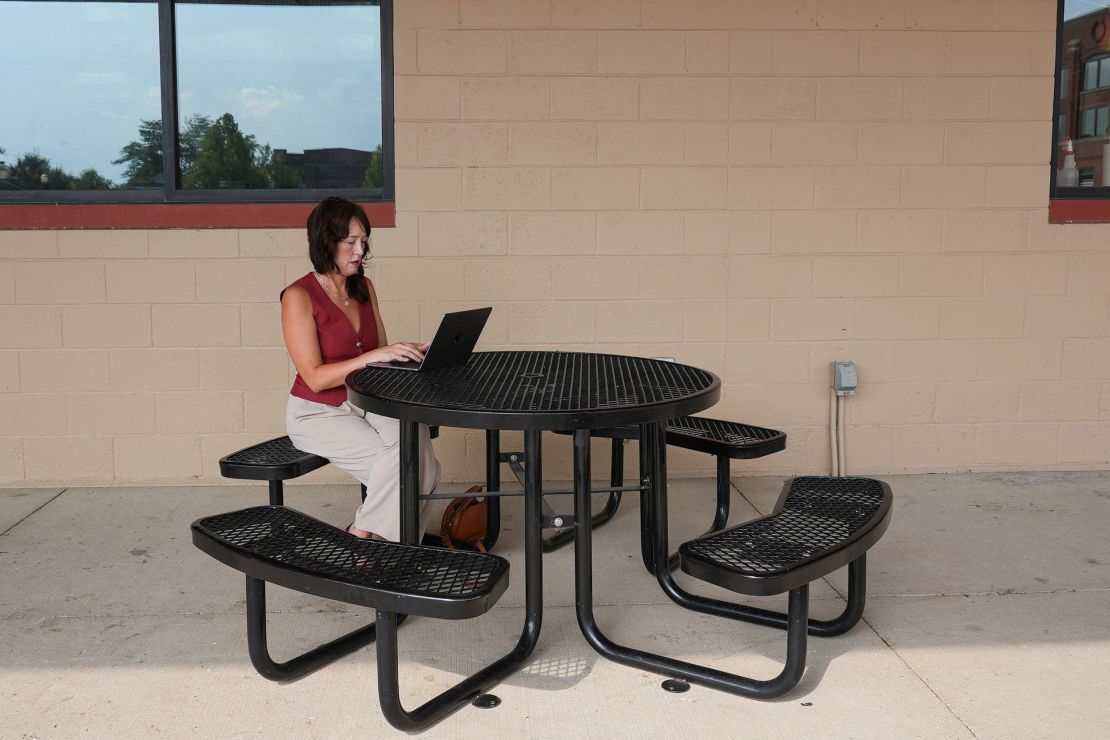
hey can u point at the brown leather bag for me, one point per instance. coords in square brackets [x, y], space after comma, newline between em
[464, 521]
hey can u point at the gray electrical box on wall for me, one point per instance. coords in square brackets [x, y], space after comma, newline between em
[844, 378]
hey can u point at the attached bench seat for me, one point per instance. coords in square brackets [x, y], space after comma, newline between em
[276, 460]
[286, 547]
[817, 526]
[725, 440]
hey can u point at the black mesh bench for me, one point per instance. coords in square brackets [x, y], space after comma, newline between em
[290, 549]
[274, 461]
[725, 440]
[818, 525]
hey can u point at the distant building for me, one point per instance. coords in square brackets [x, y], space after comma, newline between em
[1084, 112]
[328, 168]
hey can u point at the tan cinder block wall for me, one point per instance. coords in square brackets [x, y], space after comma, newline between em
[757, 187]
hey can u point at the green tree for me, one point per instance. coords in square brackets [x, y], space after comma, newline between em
[90, 179]
[143, 157]
[189, 141]
[34, 172]
[227, 158]
[373, 176]
[278, 173]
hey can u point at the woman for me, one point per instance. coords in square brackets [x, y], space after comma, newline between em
[332, 326]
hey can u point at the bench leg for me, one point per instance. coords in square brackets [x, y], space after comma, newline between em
[435, 709]
[616, 480]
[277, 497]
[720, 514]
[303, 664]
[742, 685]
[853, 610]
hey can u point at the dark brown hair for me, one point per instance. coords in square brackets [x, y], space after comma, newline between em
[328, 224]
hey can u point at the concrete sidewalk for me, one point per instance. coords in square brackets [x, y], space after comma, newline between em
[988, 617]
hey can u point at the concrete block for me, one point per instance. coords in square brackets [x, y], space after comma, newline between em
[76, 281]
[595, 188]
[153, 369]
[461, 52]
[813, 319]
[813, 232]
[460, 144]
[151, 281]
[552, 233]
[641, 143]
[506, 98]
[70, 459]
[789, 98]
[1020, 359]
[28, 327]
[1025, 274]
[552, 143]
[595, 98]
[55, 370]
[450, 234]
[197, 325]
[872, 186]
[897, 318]
[553, 52]
[816, 52]
[982, 317]
[640, 232]
[506, 189]
[909, 231]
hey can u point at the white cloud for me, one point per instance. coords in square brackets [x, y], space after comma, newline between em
[260, 102]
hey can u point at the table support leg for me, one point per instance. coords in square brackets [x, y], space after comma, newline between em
[410, 482]
[616, 480]
[389, 693]
[654, 435]
[493, 483]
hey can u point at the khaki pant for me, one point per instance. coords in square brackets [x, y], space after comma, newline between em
[366, 446]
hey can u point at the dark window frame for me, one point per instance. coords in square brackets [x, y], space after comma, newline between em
[1079, 204]
[185, 208]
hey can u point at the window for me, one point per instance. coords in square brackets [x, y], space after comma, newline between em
[157, 101]
[1080, 177]
[1094, 122]
[1096, 73]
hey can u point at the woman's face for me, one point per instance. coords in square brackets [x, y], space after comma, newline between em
[349, 251]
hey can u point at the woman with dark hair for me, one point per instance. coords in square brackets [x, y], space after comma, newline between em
[332, 326]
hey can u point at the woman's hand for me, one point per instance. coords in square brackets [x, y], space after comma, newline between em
[398, 352]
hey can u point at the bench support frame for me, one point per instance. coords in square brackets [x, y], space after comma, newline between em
[652, 439]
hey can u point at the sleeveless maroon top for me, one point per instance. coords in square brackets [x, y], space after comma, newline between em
[338, 340]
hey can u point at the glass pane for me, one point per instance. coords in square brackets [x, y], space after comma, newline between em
[279, 95]
[80, 80]
[1087, 128]
[1085, 60]
[1090, 75]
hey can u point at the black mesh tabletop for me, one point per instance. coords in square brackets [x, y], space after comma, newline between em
[537, 390]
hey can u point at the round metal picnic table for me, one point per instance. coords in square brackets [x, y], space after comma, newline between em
[536, 391]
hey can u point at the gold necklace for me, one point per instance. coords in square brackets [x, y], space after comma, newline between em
[331, 291]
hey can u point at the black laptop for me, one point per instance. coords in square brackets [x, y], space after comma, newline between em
[454, 341]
